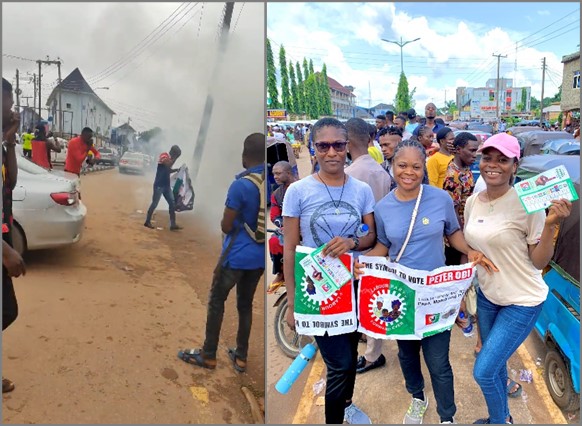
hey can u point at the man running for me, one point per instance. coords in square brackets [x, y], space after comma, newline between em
[162, 187]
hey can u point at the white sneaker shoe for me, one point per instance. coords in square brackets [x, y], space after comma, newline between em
[415, 412]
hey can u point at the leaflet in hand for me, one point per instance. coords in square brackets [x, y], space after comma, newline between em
[328, 273]
[537, 193]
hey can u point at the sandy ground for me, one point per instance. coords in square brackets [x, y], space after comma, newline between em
[101, 322]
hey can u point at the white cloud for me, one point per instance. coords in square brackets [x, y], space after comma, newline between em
[450, 52]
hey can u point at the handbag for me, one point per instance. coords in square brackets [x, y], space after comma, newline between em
[412, 220]
[471, 300]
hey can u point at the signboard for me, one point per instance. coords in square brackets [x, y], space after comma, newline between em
[280, 114]
[396, 302]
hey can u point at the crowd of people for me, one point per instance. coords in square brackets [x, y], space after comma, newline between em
[423, 175]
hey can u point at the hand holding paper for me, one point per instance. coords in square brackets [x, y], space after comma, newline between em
[559, 210]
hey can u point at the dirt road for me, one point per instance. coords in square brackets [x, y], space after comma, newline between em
[101, 322]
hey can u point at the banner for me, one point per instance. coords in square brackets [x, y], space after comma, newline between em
[182, 189]
[396, 302]
[324, 301]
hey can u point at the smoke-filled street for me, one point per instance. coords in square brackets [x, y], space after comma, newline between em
[100, 323]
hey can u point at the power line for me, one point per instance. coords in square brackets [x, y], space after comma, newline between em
[18, 57]
[154, 51]
[236, 22]
[153, 36]
[200, 22]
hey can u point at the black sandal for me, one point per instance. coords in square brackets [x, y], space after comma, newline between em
[7, 385]
[194, 357]
[234, 359]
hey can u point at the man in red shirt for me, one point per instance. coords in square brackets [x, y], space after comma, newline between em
[78, 150]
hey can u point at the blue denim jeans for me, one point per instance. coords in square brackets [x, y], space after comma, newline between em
[436, 356]
[169, 196]
[503, 329]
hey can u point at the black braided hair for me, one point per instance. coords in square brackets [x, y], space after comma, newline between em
[410, 143]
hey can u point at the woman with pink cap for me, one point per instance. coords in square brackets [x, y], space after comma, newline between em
[521, 245]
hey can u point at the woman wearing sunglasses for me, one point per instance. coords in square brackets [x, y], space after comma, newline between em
[326, 208]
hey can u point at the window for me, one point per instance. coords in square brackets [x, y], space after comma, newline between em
[576, 84]
[68, 106]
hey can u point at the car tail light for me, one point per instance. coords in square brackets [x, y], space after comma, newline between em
[65, 198]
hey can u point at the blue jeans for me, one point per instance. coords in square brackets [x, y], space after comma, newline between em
[436, 356]
[503, 329]
[340, 354]
[169, 196]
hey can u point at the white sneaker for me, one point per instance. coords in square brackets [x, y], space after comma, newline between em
[354, 416]
[449, 423]
[415, 412]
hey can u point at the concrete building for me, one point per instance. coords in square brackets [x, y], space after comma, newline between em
[80, 106]
[343, 100]
[570, 103]
[481, 102]
[125, 136]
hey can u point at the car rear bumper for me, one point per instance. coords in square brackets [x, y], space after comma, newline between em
[60, 226]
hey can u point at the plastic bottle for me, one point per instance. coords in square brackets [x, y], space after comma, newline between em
[362, 230]
[295, 369]
[467, 331]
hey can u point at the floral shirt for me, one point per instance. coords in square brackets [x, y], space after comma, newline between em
[459, 183]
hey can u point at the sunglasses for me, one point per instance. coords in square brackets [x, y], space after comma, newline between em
[338, 146]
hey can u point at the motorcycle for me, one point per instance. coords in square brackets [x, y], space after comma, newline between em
[289, 341]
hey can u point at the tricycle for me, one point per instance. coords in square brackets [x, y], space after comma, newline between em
[559, 322]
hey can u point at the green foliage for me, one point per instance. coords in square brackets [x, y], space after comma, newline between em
[285, 94]
[311, 67]
[326, 93]
[450, 107]
[306, 72]
[311, 98]
[146, 136]
[403, 100]
[294, 91]
[300, 90]
[272, 91]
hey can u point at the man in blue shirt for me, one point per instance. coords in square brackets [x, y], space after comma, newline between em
[241, 263]
[162, 187]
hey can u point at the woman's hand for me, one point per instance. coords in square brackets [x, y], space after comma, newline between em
[559, 210]
[479, 258]
[338, 246]
[358, 269]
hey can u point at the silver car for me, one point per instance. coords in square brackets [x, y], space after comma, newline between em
[132, 162]
[47, 208]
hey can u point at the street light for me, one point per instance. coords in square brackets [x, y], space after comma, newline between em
[401, 44]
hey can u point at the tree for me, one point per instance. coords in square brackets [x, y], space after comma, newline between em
[150, 134]
[311, 98]
[300, 90]
[450, 107]
[325, 93]
[271, 78]
[285, 95]
[311, 67]
[306, 72]
[523, 104]
[403, 100]
[294, 90]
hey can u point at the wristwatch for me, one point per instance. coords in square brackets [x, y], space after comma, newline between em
[356, 241]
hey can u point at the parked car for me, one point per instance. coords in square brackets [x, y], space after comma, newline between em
[132, 162]
[532, 142]
[559, 321]
[47, 208]
[108, 156]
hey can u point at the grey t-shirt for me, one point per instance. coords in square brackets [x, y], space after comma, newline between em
[320, 218]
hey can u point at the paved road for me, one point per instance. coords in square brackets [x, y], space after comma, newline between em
[302, 406]
[101, 322]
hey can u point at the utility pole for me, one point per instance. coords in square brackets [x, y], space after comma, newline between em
[46, 62]
[497, 82]
[34, 84]
[543, 81]
[39, 90]
[60, 100]
[515, 68]
[205, 122]
[18, 92]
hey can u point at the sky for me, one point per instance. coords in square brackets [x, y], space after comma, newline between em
[164, 84]
[457, 41]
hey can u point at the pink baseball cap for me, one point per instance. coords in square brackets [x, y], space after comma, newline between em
[508, 145]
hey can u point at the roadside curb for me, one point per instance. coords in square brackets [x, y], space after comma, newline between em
[96, 168]
[306, 401]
